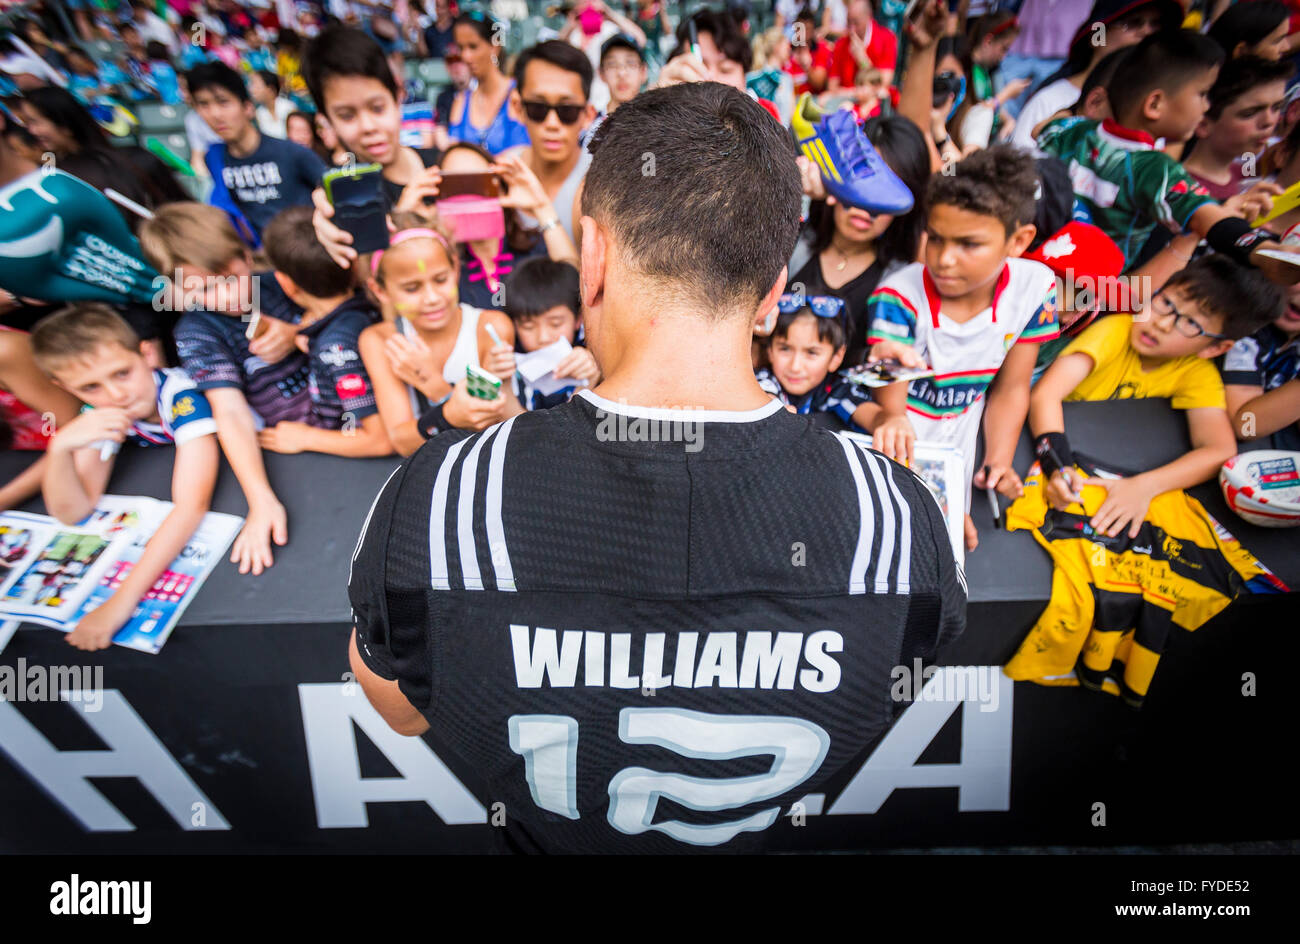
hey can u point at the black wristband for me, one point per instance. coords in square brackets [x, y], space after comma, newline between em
[432, 422]
[1053, 452]
[1235, 237]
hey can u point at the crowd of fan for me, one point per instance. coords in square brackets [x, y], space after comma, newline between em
[1065, 176]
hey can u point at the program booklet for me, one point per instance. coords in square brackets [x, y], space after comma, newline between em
[52, 574]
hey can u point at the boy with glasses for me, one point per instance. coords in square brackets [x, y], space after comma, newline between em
[806, 349]
[551, 97]
[1166, 350]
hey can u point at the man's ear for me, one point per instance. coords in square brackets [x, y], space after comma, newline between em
[1020, 239]
[592, 262]
[516, 106]
[768, 301]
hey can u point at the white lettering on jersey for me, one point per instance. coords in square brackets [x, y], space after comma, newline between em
[725, 660]
[1087, 184]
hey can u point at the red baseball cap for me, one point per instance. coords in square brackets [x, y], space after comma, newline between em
[1080, 250]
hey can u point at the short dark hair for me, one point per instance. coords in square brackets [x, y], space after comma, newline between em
[127, 25]
[1164, 61]
[559, 54]
[1100, 75]
[157, 51]
[1241, 75]
[271, 80]
[1224, 288]
[217, 75]
[829, 330]
[292, 246]
[726, 33]
[1247, 23]
[538, 285]
[340, 51]
[997, 181]
[673, 177]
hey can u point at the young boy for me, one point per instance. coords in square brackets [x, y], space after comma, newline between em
[805, 350]
[344, 419]
[1245, 105]
[1124, 183]
[1085, 262]
[1165, 351]
[92, 353]
[248, 383]
[1261, 375]
[262, 174]
[353, 86]
[622, 69]
[974, 313]
[544, 302]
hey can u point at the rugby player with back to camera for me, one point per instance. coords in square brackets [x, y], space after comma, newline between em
[656, 646]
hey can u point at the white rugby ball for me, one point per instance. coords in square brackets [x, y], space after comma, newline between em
[1263, 487]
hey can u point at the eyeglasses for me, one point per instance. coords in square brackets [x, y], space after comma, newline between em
[823, 306]
[537, 112]
[1185, 325]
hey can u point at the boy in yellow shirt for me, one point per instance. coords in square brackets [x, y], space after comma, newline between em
[1166, 350]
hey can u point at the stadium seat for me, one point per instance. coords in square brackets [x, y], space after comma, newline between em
[434, 73]
[157, 118]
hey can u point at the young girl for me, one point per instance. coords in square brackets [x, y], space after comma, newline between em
[417, 356]
[806, 349]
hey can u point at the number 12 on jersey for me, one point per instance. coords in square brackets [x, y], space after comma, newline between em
[549, 746]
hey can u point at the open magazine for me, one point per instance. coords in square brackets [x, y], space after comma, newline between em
[53, 574]
[943, 469]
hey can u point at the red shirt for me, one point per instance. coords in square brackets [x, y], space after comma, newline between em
[882, 50]
[821, 59]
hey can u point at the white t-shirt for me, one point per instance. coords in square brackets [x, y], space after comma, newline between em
[966, 356]
[275, 122]
[1060, 94]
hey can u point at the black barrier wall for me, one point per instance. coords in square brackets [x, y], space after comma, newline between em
[246, 732]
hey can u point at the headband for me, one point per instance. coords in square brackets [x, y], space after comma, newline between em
[1002, 28]
[402, 236]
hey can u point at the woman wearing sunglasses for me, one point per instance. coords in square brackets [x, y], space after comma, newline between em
[806, 349]
[481, 114]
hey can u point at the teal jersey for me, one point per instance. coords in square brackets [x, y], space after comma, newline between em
[61, 240]
[1121, 182]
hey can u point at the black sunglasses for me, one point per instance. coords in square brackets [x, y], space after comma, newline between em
[537, 112]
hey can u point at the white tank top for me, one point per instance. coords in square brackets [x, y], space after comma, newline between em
[463, 353]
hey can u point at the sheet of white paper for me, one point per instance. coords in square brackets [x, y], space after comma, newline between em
[538, 367]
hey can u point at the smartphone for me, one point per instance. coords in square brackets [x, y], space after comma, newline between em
[357, 196]
[481, 384]
[469, 184]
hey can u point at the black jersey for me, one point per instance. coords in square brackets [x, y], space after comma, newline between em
[651, 630]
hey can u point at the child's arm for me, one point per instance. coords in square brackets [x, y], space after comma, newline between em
[1004, 418]
[391, 395]
[75, 476]
[893, 435]
[1256, 414]
[369, 438]
[1047, 419]
[1126, 504]
[267, 520]
[867, 415]
[194, 476]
